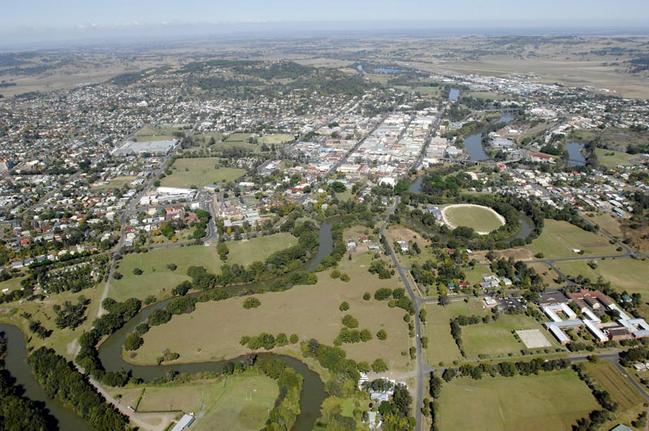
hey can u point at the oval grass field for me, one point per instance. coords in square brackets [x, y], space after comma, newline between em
[482, 219]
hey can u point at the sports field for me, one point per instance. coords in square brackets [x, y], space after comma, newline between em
[495, 337]
[560, 238]
[308, 311]
[200, 172]
[240, 402]
[158, 280]
[547, 401]
[480, 218]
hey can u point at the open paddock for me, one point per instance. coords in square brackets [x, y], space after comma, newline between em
[200, 172]
[547, 401]
[308, 311]
[158, 280]
[562, 239]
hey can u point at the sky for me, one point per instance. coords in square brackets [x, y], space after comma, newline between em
[70, 13]
[51, 23]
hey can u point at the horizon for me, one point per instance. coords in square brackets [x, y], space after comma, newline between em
[43, 22]
[147, 33]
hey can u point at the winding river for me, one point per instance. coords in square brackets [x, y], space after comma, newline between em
[110, 353]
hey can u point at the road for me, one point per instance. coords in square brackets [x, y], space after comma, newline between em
[422, 368]
[129, 211]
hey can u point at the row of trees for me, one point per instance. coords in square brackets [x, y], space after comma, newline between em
[61, 380]
[18, 413]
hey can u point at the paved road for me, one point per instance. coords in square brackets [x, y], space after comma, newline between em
[422, 367]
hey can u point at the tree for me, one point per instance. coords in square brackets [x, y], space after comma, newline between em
[133, 342]
[223, 251]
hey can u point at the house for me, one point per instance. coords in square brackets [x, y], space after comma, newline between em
[403, 246]
[184, 422]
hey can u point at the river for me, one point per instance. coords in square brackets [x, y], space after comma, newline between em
[16, 364]
[473, 143]
[454, 95]
[110, 354]
[575, 156]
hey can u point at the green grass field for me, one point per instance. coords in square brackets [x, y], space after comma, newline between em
[548, 401]
[609, 378]
[199, 172]
[607, 223]
[115, 183]
[624, 274]
[276, 139]
[11, 284]
[158, 280]
[481, 219]
[162, 133]
[441, 346]
[308, 311]
[42, 311]
[559, 238]
[611, 159]
[240, 402]
[495, 337]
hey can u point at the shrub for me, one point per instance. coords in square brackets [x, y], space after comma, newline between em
[381, 334]
[251, 303]
[379, 366]
[117, 275]
[367, 296]
[335, 274]
[172, 266]
[345, 278]
[344, 306]
[294, 338]
[382, 294]
[137, 271]
[350, 321]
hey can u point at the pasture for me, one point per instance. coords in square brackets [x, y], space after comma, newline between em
[307, 311]
[547, 401]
